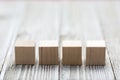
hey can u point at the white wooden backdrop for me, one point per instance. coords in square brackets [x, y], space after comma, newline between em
[62, 20]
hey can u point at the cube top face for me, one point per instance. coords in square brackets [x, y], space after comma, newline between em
[52, 43]
[71, 43]
[25, 44]
[100, 43]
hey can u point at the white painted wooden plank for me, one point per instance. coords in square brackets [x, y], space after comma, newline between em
[110, 22]
[40, 23]
[72, 30]
[109, 18]
[93, 32]
[10, 23]
[84, 15]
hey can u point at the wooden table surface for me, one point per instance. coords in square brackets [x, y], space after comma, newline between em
[62, 20]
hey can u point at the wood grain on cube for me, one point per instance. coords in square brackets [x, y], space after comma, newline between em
[48, 53]
[25, 52]
[95, 53]
[71, 53]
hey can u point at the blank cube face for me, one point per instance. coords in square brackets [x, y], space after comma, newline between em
[48, 55]
[95, 56]
[72, 56]
[24, 55]
[25, 52]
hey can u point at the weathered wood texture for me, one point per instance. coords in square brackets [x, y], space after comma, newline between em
[86, 27]
[109, 17]
[41, 22]
[11, 16]
[66, 21]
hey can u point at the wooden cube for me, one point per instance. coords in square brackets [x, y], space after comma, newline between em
[48, 53]
[95, 53]
[25, 52]
[71, 53]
